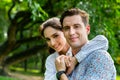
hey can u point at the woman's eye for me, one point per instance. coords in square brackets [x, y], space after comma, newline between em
[55, 36]
[47, 39]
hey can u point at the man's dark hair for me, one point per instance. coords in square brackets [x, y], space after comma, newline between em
[76, 11]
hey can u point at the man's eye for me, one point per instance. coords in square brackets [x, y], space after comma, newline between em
[77, 26]
[66, 28]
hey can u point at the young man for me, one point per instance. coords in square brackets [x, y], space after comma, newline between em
[98, 65]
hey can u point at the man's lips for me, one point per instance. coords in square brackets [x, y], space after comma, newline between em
[73, 38]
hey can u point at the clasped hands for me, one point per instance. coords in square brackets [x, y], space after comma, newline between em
[65, 63]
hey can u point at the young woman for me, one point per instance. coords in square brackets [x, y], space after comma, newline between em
[51, 30]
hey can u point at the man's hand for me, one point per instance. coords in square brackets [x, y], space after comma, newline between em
[70, 62]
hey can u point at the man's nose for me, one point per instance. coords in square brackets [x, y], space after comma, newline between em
[71, 31]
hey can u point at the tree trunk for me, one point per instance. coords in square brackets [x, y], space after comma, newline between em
[25, 65]
[4, 71]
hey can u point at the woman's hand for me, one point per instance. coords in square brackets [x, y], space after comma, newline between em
[65, 63]
[60, 63]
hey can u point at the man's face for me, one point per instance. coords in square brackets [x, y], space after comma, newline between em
[75, 32]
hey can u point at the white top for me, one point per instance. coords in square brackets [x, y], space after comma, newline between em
[50, 73]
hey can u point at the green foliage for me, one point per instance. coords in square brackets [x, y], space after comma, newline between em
[37, 11]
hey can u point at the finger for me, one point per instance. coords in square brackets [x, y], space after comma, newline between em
[70, 59]
[67, 62]
[69, 70]
[59, 58]
[62, 59]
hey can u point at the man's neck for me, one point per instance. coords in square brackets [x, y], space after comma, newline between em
[75, 51]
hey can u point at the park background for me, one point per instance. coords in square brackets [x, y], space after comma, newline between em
[23, 50]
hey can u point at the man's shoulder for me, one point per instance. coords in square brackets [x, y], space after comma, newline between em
[98, 53]
[102, 55]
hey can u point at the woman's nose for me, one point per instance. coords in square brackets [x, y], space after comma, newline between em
[52, 42]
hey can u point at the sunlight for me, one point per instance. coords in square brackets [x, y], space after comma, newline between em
[5, 34]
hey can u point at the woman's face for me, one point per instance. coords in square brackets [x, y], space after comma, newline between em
[55, 38]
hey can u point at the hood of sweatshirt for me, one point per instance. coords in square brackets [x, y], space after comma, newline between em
[100, 42]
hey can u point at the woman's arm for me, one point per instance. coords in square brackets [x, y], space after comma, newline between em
[50, 73]
[61, 67]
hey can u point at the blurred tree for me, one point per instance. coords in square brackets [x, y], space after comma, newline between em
[20, 32]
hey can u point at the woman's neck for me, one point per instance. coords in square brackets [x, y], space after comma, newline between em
[64, 50]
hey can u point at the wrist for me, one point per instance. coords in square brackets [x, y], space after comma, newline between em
[75, 60]
[59, 73]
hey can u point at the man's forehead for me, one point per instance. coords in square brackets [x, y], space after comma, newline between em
[71, 20]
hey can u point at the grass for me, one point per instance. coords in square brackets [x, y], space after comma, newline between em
[118, 78]
[7, 78]
[21, 71]
[28, 72]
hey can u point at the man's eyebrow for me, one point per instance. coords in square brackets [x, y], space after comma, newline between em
[65, 26]
[77, 24]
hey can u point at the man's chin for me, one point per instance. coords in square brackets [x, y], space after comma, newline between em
[73, 44]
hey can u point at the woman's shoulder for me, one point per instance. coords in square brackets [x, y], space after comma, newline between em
[52, 56]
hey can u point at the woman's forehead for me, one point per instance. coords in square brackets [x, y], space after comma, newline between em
[49, 31]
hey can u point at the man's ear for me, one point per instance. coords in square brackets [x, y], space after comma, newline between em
[88, 29]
